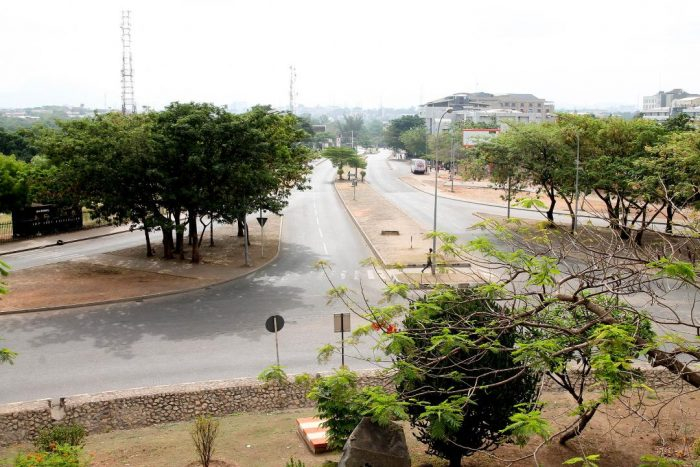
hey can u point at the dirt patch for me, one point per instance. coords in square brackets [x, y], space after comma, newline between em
[129, 273]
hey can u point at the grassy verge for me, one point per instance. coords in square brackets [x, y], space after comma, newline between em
[270, 440]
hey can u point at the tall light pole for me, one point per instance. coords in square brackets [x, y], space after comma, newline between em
[437, 147]
[452, 159]
[578, 147]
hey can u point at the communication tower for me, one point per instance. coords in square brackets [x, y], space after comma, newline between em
[128, 103]
[292, 87]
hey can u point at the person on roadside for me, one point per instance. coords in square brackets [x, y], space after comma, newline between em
[429, 264]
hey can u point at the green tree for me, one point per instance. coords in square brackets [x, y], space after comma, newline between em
[392, 134]
[339, 157]
[17, 143]
[672, 173]
[616, 175]
[467, 384]
[415, 142]
[13, 187]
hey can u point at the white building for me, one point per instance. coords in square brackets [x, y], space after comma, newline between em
[481, 107]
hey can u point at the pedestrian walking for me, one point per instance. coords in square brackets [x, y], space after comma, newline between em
[430, 261]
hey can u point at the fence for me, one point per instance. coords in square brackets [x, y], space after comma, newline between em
[7, 232]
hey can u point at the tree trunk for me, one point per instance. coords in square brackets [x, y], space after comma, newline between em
[580, 426]
[669, 218]
[168, 246]
[211, 229]
[552, 203]
[193, 237]
[456, 460]
[179, 235]
[149, 251]
[239, 221]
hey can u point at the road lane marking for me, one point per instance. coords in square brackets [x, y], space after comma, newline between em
[325, 249]
[370, 275]
[320, 232]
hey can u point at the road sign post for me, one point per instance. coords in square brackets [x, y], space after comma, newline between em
[261, 221]
[341, 324]
[274, 324]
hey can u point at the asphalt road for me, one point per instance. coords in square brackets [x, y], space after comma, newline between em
[216, 333]
[69, 251]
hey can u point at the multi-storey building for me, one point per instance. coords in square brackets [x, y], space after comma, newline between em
[485, 107]
[663, 105]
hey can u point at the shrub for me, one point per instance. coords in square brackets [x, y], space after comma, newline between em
[204, 433]
[273, 374]
[72, 434]
[294, 463]
[337, 401]
[62, 455]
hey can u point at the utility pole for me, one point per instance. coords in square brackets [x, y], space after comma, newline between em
[128, 103]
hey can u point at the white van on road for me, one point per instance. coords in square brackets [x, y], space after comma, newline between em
[418, 166]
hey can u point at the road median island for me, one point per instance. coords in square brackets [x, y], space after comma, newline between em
[128, 274]
[375, 215]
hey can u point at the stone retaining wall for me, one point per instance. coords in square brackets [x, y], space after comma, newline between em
[119, 410]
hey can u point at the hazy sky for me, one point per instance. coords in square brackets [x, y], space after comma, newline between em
[351, 53]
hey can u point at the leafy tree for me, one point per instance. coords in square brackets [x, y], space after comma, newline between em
[392, 134]
[672, 173]
[17, 143]
[546, 161]
[13, 187]
[415, 142]
[90, 151]
[339, 157]
[678, 122]
[467, 382]
[352, 128]
[575, 305]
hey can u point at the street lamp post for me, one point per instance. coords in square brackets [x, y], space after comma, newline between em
[437, 147]
[452, 159]
[578, 146]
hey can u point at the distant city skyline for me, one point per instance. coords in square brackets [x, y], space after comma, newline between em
[388, 54]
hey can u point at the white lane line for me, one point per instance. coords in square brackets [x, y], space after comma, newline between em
[325, 248]
[370, 275]
[342, 275]
[357, 275]
[320, 232]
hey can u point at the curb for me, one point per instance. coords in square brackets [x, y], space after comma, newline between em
[357, 224]
[62, 242]
[149, 296]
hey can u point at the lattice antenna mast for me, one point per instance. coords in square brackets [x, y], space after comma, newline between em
[128, 103]
[292, 87]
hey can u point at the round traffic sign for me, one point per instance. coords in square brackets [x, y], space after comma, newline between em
[270, 323]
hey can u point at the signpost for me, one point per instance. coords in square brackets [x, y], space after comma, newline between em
[261, 221]
[341, 324]
[273, 324]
